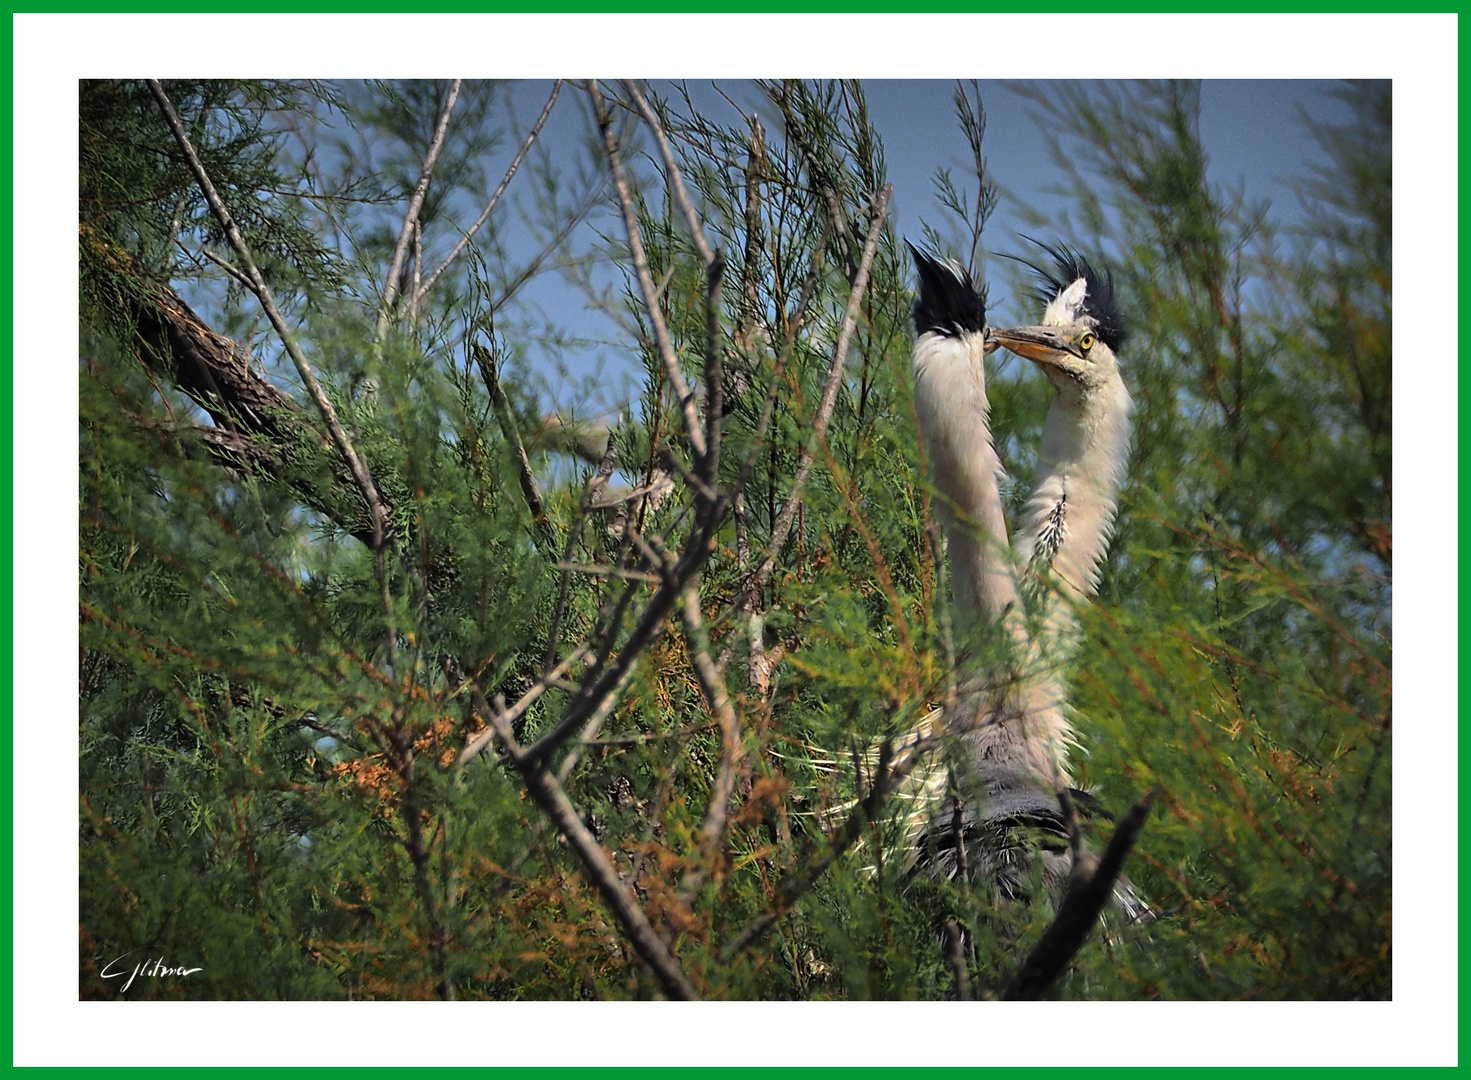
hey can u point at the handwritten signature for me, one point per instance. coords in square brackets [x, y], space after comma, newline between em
[151, 967]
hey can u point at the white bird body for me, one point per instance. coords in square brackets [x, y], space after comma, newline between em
[1082, 462]
[950, 398]
[1012, 724]
[1011, 718]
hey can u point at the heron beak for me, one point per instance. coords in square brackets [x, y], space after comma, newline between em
[1043, 344]
[990, 345]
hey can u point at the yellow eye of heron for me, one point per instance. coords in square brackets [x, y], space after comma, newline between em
[1085, 342]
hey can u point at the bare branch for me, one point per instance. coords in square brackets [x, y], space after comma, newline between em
[1089, 890]
[416, 201]
[954, 939]
[529, 488]
[670, 460]
[660, 485]
[611, 571]
[553, 800]
[594, 483]
[760, 661]
[665, 346]
[648, 736]
[783, 526]
[714, 273]
[510, 715]
[598, 480]
[602, 681]
[714, 376]
[1071, 823]
[495, 197]
[226, 265]
[676, 182]
[418, 271]
[257, 429]
[564, 229]
[748, 307]
[603, 677]
[594, 722]
[712, 686]
[652, 553]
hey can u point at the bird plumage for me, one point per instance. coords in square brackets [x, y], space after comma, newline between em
[948, 303]
[954, 415]
[1098, 304]
[999, 795]
[1012, 729]
[1068, 520]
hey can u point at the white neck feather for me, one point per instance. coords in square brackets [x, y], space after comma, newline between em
[1065, 527]
[1069, 518]
[950, 398]
[1063, 537]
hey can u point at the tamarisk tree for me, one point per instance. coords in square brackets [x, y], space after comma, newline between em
[409, 671]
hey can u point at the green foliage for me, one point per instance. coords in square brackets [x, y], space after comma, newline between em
[137, 196]
[1239, 654]
[271, 720]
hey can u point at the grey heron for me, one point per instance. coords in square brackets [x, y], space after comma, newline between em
[1013, 724]
[1065, 528]
[954, 413]
[1013, 728]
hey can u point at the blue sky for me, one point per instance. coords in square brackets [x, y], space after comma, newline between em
[1250, 128]
[1253, 132]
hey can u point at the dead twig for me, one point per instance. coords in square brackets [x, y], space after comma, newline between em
[649, 736]
[667, 356]
[714, 274]
[524, 702]
[411, 215]
[594, 722]
[712, 687]
[606, 671]
[954, 941]
[423, 290]
[623, 905]
[1089, 890]
[611, 571]
[417, 273]
[594, 483]
[226, 265]
[530, 490]
[676, 183]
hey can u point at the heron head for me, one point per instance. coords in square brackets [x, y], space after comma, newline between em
[949, 303]
[1075, 357]
[1082, 329]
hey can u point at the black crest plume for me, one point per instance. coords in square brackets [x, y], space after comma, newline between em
[1100, 304]
[948, 302]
